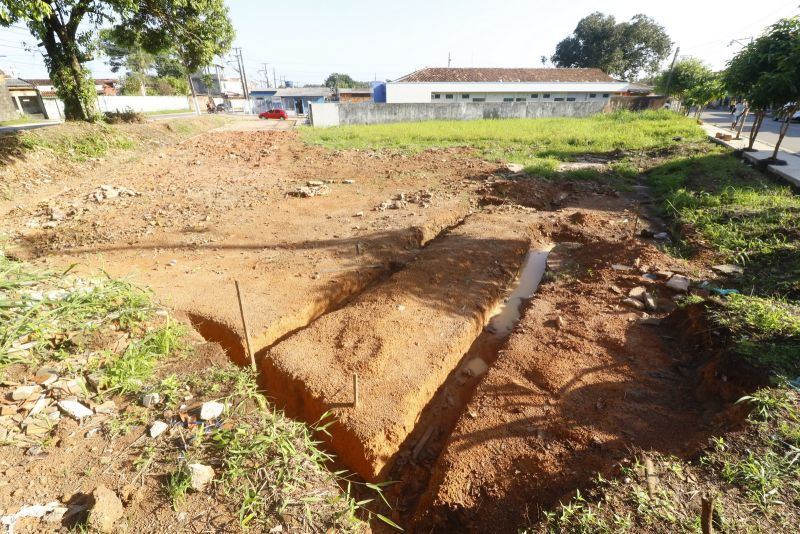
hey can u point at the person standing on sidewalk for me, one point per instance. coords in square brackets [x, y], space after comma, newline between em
[738, 112]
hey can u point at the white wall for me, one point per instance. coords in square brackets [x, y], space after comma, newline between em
[142, 103]
[400, 92]
[325, 115]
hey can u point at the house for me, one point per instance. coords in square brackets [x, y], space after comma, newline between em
[102, 86]
[444, 85]
[294, 100]
[27, 99]
[354, 94]
[8, 108]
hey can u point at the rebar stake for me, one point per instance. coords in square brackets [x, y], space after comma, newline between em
[246, 331]
[355, 390]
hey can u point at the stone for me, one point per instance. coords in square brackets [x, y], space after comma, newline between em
[637, 293]
[23, 392]
[650, 302]
[200, 475]
[108, 407]
[75, 409]
[158, 428]
[211, 410]
[515, 167]
[315, 183]
[728, 269]
[151, 399]
[348, 182]
[40, 405]
[620, 267]
[678, 283]
[633, 303]
[662, 236]
[475, 367]
[95, 380]
[106, 510]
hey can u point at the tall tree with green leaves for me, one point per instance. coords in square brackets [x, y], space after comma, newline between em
[692, 82]
[336, 80]
[198, 29]
[122, 53]
[741, 78]
[626, 50]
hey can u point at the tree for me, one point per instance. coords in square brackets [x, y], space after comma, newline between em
[692, 82]
[130, 55]
[198, 29]
[741, 77]
[625, 50]
[343, 80]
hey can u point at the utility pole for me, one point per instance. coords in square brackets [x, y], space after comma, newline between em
[266, 73]
[243, 78]
[448, 60]
[274, 78]
[671, 68]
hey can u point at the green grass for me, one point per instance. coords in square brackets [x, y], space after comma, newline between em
[21, 120]
[742, 215]
[51, 312]
[92, 141]
[167, 111]
[540, 144]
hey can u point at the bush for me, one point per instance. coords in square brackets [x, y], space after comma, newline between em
[127, 116]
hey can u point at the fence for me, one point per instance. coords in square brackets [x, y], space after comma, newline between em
[142, 103]
[341, 114]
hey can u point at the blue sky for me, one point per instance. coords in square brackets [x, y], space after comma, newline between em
[305, 41]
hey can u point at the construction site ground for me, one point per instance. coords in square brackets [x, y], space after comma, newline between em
[384, 268]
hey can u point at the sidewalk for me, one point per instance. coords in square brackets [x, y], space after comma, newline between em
[789, 172]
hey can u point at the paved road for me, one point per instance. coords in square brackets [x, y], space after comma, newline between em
[769, 130]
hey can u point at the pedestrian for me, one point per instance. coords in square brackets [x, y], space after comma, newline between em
[738, 114]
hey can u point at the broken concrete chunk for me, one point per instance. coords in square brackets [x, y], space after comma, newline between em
[158, 428]
[108, 407]
[637, 293]
[728, 269]
[620, 267]
[650, 302]
[211, 410]
[678, 283]
[151, 399]
[201, 475]
[515, 167]
[633, 303]
[75, 409]
[23, 392]
[106, 510]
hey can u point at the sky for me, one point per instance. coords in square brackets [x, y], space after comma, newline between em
[373, 40]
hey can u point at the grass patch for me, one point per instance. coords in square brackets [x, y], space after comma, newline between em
[44, 314]
[742, 215]
[21, 120]
[93, 141]
[168, 111]
[540, 144]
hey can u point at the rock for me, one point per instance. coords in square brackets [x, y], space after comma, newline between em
[172, 263]
[315, 183]
[638, 293]
[201, 475]
[151, 399]
[106, 510]
[650, 302]
[95, 380]
[661, 236]
[23, 392]
[158, 428]
[57, 214]
[633, 303]
[475, 367]
[211, 410]
[678, 283]
[620, 267]
[728, 269]
[515, 167]
[75, 409]
[108, 407]
[348, 181]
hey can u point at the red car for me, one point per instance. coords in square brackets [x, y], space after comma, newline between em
[274, 114]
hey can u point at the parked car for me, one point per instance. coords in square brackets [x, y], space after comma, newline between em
[273, 114]
[781, 112]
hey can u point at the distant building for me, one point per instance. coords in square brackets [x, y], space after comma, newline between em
[294, 100]
[503, 85]
[8, 108]
[357, 94]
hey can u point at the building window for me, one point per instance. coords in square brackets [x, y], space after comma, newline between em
[558, 99]
[546, 95]
[449, 97]
[535, 95]
[522, 99]
[479, 99]
[437, 96]
[605, 95]
[571, 99]
[592, 95]
[465, 96]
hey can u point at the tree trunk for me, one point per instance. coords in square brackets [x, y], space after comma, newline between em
[759, 118]
[787, 120]
[744, 119]
[194, 95]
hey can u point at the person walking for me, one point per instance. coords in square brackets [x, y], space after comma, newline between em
[738, 113]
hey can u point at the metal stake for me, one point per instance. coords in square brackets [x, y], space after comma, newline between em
[355, 390]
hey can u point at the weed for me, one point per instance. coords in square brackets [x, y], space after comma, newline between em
[177, 484]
